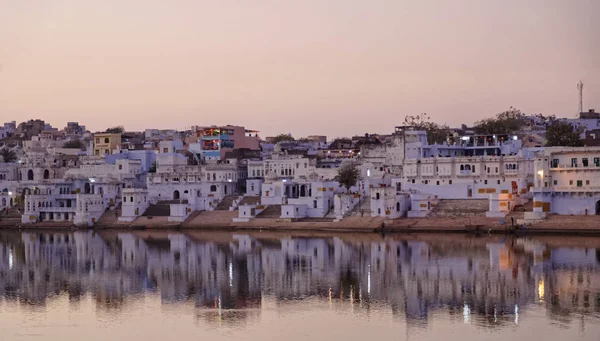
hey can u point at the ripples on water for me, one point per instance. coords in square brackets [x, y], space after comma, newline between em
[263, 286]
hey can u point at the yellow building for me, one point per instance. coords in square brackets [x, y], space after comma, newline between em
[105, 143]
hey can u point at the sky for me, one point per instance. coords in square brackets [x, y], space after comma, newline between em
[327, 67]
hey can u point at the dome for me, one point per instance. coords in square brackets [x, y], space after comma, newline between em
[271, 176]
[313, 176]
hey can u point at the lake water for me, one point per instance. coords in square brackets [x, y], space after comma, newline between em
[282, 286]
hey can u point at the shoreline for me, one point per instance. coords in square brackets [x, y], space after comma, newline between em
[558, 225]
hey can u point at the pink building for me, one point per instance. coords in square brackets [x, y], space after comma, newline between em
[215, 141]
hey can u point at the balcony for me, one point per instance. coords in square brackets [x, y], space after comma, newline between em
[585, 189]
[570, 167]
[55, 209]
[215, 137]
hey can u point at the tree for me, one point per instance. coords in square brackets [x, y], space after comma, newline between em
[116, 130]
[507, 122]
[283, 138]
[435, 133]
[75, 144]
[8, 155]
[348, 176]
[560, 133]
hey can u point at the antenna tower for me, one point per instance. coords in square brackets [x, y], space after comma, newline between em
[580, 89]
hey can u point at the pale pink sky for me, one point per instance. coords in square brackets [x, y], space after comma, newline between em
[332, 67]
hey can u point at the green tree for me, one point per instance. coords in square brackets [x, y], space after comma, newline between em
[8, 155]
[348, 176]
[152, 168]
[75, 144]
[510, 121]
[115, 130]
[435, 133]
[560, 133]
[283, 138]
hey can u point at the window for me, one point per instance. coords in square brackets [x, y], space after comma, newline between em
[473, 168]
[120, 167]
[124, 199]
[555, 182]
[579, 183]
[496, 169]
[413, 181]
[97, 140]
[106, 151]
[106, 140]
[554, 163]
[574, 162]
[485, 182]
[587, 182]
[449, 182]
[165, 150]
[584, 161]
[437, 182]
[570, 182]
[131, 199]
[498, 182]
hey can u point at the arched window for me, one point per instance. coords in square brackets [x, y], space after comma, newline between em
[30, 174]
[213, 188]
[462, 167]
[46, 174]
[176, 195]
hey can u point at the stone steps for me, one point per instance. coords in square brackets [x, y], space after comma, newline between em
[460, 208]
[272, 211]
[226, 203]
[157, 210]
[250, 200]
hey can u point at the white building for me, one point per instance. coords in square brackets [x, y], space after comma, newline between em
[567, 181]
[468, 177]
[135, 202]
[80, 209]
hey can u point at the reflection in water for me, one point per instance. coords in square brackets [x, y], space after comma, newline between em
[228, 277]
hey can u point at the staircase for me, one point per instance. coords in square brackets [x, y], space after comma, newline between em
[108, 218]
[272, 211]
[361, 209]
[226, 203]
[250, 200]
[460, 208]
[160, 209]
[13, 217]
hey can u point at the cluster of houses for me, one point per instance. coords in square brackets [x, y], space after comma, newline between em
[72, 175]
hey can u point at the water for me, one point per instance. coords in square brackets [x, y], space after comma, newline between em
[276, 286]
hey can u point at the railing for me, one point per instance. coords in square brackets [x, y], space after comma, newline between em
[53, 209]
[576, 188]
[575, 166]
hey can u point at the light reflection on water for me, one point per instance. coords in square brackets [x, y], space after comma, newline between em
[259, 285]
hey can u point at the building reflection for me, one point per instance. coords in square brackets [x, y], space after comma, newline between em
[226, 276]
